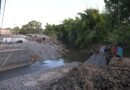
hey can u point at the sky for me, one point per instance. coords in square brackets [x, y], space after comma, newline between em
[20, 12]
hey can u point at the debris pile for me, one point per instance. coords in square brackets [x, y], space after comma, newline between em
[90, 77]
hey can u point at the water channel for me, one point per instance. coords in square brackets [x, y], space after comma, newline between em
[71, 56]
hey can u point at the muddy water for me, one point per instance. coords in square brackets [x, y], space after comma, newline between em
[44, 65]
[70, 56]
[75, 55]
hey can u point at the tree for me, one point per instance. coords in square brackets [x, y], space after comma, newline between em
[92, 28]
[50, 29]
[118, 20]
[16, 30]
[119, 10]
[33, 27]
[80, 32]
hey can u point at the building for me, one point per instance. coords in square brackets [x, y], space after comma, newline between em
[12, 39]
[5, 32]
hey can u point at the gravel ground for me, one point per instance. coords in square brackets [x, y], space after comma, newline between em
[98, 58]
[44, 51]
[34, 81]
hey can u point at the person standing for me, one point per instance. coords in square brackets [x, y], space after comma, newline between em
[114, 50]
[108, 52]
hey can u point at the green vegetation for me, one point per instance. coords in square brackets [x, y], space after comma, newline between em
[90, 27]
[33, 27]
[82, 31]
[93, 27]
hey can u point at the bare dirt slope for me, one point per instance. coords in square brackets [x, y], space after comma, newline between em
[44, 51]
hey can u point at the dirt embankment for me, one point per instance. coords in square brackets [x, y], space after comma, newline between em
[39, 50]
[116, 76]
[46, 49]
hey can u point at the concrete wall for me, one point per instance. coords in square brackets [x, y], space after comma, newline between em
[12, 39]
[5, 32]
[15, 57]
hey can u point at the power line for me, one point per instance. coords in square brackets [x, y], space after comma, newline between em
[3, 14]
[0, 7]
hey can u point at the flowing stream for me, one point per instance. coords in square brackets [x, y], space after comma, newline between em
[70, 56]
[43, 65]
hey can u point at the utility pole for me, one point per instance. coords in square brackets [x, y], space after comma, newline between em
[0, 7]
[3, 14]
[0, 14]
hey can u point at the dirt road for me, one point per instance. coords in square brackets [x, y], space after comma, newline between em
[98, 58]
